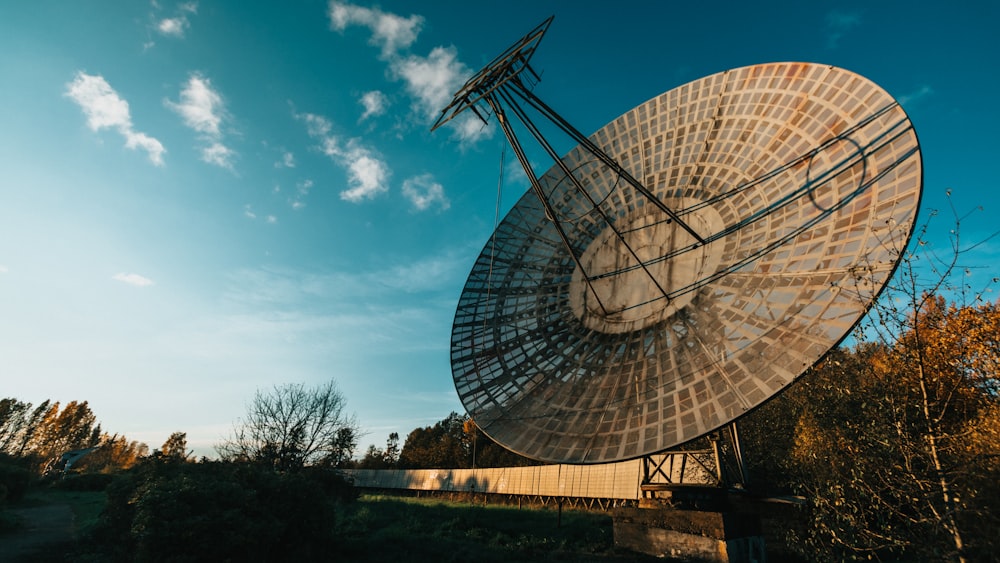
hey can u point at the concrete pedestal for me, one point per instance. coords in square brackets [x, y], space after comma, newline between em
[693, 535]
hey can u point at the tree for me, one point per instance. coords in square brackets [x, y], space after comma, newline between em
[59, 431]
[292, 426]
[455, 443]
[18, 424]
[175, 447]
[443, 445]
[895, 442]
[376, 458]
[113, 454]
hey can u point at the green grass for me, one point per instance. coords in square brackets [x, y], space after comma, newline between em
[86, 505]
[380, 528]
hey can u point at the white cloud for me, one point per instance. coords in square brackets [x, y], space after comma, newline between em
[200, 106]
[430, 80]
[173, 27]
[178, 25]
[105, 109]
[271, 219]
[469, 129]
[218, 154]
[839, 24]
[389, 31]
[132, 279]
[374, 103]
[3, 269]
[423, 191]
[367, 174]
[202, 109]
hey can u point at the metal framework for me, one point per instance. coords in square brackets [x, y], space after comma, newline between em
[684, 263]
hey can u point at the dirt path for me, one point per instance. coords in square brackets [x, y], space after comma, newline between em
[47, 529]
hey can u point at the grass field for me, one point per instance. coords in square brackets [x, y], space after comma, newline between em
[401, 529]
[382, 528]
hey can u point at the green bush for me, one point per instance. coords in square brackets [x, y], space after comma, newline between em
[90, 482]
[164, 511]
[14, 481]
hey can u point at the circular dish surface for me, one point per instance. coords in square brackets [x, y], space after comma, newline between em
[802, 180]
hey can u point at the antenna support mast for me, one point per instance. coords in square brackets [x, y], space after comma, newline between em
[505, 84]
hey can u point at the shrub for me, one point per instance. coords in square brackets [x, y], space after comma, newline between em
[14, 481]
[90, 482]
[220, 511]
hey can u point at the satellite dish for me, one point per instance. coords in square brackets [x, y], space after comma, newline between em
[683, 264]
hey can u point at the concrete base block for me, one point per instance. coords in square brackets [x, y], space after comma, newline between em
[692, 535]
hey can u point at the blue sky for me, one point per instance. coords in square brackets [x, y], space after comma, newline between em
[199, 199]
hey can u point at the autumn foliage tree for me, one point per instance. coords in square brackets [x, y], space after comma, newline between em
[895, 441]
[175, 447]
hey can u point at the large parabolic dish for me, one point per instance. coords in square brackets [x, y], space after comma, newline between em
[603, 330]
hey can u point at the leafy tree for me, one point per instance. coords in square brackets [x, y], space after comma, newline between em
[59, 431]
[377, 458]
[18, 424]
[455, 443]
[113, 454]
[175, 447]
[443, 445]
[895, 442]
[391, 454]
[293, 426]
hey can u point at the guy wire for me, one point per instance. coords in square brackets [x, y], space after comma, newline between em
[496, 223]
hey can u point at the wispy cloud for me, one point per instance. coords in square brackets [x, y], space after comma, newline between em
[105, 109]
[3, 269]
[374, 103]
[430, 81]
[132, 279]
[423, 191]
[287, 289]
[367, 174]
[287, 160]
[913, 97]
[249, 213]
[301, 191]
[389, 32]
[838, 24]
[202, 110]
